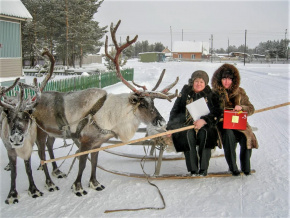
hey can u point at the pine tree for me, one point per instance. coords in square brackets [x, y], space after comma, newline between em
[66, 27]
[110, 64]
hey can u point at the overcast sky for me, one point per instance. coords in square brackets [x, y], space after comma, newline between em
[197, 20]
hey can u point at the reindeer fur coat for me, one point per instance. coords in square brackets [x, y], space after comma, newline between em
[232, 97]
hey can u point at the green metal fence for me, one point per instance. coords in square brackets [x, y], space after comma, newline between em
[82, 82]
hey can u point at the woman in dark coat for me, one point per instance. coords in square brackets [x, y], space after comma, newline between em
[205, 133]
[226, 83]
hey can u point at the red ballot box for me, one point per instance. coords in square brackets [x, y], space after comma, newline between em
[235, 120]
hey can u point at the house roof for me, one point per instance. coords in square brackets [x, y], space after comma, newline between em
[14, 9]
[187, 46]
[190, 46]
[166, 50]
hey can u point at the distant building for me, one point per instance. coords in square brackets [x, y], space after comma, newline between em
[239, 54]
[152, 57]
[189, 50]
[12, 13]
[167, 52]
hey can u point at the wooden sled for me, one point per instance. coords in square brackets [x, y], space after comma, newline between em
[170, 176]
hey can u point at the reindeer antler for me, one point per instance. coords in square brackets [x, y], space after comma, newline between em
[3, 102]
[30, 103]
[118, 52]
[48, 76]
[163, 94]
[19, 104]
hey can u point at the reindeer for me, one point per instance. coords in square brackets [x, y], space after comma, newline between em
[18, 132]
[91, 117]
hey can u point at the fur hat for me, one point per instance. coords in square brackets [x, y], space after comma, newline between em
[198, 74]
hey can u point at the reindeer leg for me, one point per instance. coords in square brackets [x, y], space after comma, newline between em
[41, 139]
[56, 172]
[32, 191]
[94, 184]
[77, 185]
[12, 197]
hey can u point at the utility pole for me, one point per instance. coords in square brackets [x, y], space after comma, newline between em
[171, 38]
[286, 45]
[228, 47]
[182, 35]
[211, 46]
[245, 47]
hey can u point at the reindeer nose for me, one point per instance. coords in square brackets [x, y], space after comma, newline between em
[159, 121]
[16, 140]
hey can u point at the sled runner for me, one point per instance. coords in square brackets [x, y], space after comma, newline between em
[169, 176]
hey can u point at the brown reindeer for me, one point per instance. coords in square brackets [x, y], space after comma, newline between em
[91, 117]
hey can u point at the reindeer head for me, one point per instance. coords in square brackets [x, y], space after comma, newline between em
[17, 111]
[141, 99]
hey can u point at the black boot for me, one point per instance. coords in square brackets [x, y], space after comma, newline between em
[236, 173]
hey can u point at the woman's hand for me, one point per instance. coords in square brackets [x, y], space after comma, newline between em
[199, 123]
[237, 108]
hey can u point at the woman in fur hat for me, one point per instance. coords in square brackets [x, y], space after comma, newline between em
[205, 133]
[226, 83]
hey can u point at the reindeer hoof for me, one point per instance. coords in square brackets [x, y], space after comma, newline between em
[96, 186]
[58, 174]
[11, 201]
[79, 191]
[35, 194]
[12, 198]
[51, 187]
[7, 168]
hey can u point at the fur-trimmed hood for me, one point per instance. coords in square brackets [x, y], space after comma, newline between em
[216, 81]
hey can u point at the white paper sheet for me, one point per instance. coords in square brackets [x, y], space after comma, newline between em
[198, 108]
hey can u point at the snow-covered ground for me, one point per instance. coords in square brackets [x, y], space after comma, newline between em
[263, 194]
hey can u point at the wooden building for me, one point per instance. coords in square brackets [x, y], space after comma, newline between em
[189, 50]
[152, 57]
[12, 13]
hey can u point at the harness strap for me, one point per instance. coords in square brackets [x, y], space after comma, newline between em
[97, 106]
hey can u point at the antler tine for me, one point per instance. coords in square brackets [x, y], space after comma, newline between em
[106, 50]
[48, 76]
[139, 86]
[20, 104]
[4, 103]
[12, 86]
[159, 80]
[166, 89]
[113, 33]
[171, 96]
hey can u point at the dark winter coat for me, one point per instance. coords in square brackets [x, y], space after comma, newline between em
[179, 117]
[235, 96]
